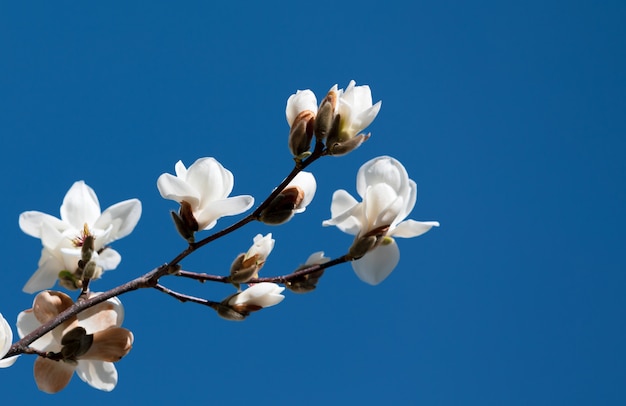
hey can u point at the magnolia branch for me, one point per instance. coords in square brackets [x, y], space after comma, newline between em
[150, 279]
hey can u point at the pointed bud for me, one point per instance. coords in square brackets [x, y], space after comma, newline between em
[92, 271]
[364, 244]
[344, 147]
[301, 133]
[325, 115]
[241, 272]
[182, 228]
[226, 312]
[304, 283]
[282, 208]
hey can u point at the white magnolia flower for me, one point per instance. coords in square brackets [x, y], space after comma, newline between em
[356, 112]
[205, 186]
[264, 294]
[62, 238]
[388, 196]
[92, 360]
[355, 109]
[299, 102]
[6, 339]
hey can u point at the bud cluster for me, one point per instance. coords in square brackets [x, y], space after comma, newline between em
[336, 123]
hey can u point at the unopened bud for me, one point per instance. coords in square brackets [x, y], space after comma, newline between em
[301, 133]
[242, 272]
[304, 283]
[92, 271]
[281, 209]
[343, 147]
[364, 244]
[325, 116]
[226, 312]
[182, 228]
[87, 248]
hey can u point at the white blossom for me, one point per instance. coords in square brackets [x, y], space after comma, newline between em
[388, 196]
[355, 109]
[61, 238]
[205, 186]
[94, 364]
[6, 339]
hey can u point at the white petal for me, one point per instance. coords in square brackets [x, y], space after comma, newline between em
[180, 170]
[80, 205]
[6, 340]
[346, 212]
[5, 363]
[342, 202]
[123, 216]
[382, 206]
[210, 179]
[177, 189]
[383, 169]
[26, 323]
[301, 101]
[220, 208]
[412, 228]
[31, 222]
[317, 258]
[262, 294]
[376, 265]
[47, 274]
[109, 313]
[365, 118]
[108, 259]
[100, 375]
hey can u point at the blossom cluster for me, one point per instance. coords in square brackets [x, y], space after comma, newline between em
[76, 247]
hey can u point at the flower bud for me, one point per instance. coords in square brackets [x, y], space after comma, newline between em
[242, 273]
[338, 148]
[301, 134]
[283, 207]
[182, 227]
[92, 271]
[326, 115]
[304, 283]
[227, 313]
[363, 244]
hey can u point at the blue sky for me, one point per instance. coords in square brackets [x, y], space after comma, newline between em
[509, 116]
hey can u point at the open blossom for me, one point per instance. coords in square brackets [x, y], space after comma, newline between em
[356, 112]
[87, 344]
[388, 196]
[205, 187]
[6, 339]
[294, 198]
[62, 238]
